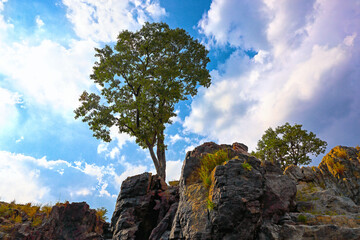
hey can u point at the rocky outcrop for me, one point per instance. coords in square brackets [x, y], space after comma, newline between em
[247, 199]
[72, 221]
[145, 208]
[339, 171]
[65, 221]
[327, 198]
[242, 198]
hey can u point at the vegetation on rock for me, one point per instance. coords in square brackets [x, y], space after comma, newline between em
[288, 145]
[142, 78]
[208, 163]
[13, 215]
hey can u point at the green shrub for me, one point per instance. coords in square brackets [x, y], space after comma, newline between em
[210, 204]
[247, 166]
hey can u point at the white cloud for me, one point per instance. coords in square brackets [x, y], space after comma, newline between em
[2, 4]
[189, 148]
[102, 147]
[103, 20]
[8, 109]
[81, 192]
[130, 170]
[239, 23]
[176, 118]
[173, 170]
[120, 138]
[39, 22]
[20, 139]
[105, 174]
[103, 191]
[48, 75]
[175, 138]
[311, 51]
[114, 153]
[18, 180]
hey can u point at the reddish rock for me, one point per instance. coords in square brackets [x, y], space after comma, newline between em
[65, 221]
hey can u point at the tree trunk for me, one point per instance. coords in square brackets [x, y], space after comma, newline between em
[155, 160]
[159, 159]
[160, 152]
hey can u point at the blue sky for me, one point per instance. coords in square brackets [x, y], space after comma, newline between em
[271, 62]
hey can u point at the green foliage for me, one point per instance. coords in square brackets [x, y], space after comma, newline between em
[210, 205]
[208, 163]
[205, 172]
[36, 221]
[101, 213]
[302, 218]
[247, 166]
[142, 78]
[14, 213]
[288, 145]
[46, 209]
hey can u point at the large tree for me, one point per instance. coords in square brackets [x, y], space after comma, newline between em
[288, 145]
[142, 78]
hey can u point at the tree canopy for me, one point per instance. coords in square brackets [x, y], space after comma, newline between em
[141, 79]
[288, 145]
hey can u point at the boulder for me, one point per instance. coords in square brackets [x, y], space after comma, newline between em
[145, 206]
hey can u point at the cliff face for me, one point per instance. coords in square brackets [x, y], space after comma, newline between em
[246, 199]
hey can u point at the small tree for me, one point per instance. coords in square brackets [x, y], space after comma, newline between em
[142, 78]
[288, 145]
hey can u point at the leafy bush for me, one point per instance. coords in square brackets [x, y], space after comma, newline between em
[101, 213]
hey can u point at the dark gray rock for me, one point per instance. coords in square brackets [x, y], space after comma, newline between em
[304, 232]
[142, 205]
[242, 198]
